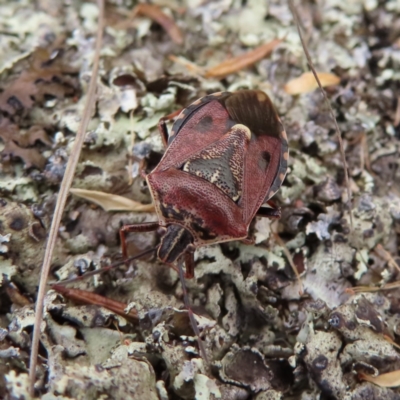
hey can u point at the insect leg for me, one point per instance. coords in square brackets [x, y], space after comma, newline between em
[265, 212]
[143, 227]
[162, 126]
[189, 264]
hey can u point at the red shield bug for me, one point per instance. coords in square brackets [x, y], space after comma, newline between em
[226, 156]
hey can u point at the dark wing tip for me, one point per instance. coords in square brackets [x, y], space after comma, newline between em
[254, 109]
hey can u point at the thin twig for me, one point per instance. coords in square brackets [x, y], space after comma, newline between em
[62, 198]
[338, 133]
[130, 161]
[290, 259]
[396, 121]
[360, 289]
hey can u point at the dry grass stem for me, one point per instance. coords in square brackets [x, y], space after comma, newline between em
[62, 198]
[338, 133]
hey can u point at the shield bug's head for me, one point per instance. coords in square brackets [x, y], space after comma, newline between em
[174, 243]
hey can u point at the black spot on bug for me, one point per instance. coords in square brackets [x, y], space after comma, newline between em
[205, 124]
[264, 160]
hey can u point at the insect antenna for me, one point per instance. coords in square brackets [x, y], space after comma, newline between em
[94, 299]
[108, 268]
[186, 302]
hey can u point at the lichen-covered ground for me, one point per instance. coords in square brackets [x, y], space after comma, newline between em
[265, 338]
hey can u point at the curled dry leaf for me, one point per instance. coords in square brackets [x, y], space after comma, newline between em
[112, 202]
[307, 83]
[245, 60]
[390, 379]
[157, 15]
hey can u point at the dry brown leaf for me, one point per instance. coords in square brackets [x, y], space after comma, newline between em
[16, 144]
[390, 379]
[85, 297]
[31, 157]
[306, 82]
[35, 133]
[112, 202]
[45, 76]
[157, 15]
[245, 60]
